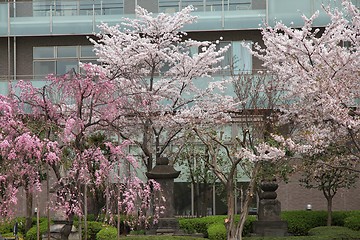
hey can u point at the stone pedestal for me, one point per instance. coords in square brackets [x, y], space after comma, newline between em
[269, 222]
[56, 231]
[165, 174]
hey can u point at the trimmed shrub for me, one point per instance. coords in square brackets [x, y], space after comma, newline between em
[107, 233]
[338, 217]
[201, 225]
[300, 222]
[161, 237]
[217, 231]
[335, 232]
[32, 233]
[92, 229]
[353, 222]
[248, 225]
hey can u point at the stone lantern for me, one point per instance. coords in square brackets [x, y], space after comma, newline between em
[165, 174]
[269, 222]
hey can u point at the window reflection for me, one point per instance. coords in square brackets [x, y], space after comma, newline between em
[60, 59]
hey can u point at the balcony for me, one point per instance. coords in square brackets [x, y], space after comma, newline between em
[66, 17]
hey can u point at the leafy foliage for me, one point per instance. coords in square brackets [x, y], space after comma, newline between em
[300, 222]
[353, 222]
[335, 232]
[201, 225]
[216, 231]
[32, 233]
[107, 233]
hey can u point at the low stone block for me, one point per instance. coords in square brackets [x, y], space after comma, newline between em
[270, 228]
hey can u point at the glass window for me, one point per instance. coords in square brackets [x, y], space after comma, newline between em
[42, 8]
[228, 56]
[43, 68]
[87, 51]
[243, 58]
[61, 59]
[67, 52]
[64, 66]
[43, 52]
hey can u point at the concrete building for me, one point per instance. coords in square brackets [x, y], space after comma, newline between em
[38, 37]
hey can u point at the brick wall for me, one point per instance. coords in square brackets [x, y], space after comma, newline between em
[295, 197]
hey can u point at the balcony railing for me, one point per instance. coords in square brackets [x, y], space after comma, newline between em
[66, 17]
[120, 7]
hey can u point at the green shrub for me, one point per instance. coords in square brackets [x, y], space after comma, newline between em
[107, 233]
[201, 225]
[335, 232]
[160, 237]
[248, 225]
[32, 233]
[217, 231]
[8, 226]
[11, 236]
[300, 222]
[338, 217]
[92, 229]
[353, 222]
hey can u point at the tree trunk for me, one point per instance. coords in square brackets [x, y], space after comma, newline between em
[29, 209]
[230, 221]
[245, 209]
[329, 211]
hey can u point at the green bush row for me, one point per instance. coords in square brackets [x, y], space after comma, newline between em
[300, 222]
[201, 225]
[335, 232]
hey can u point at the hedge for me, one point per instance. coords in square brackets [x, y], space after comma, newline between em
[335, 232]
[92, 229]
[32, 233]
[300, 222]
[201, 225]
[352, 222]
[217, 231]
[107, 233]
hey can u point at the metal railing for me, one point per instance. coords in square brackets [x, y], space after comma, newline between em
[119, 7]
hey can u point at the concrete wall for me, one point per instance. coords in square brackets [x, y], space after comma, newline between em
[3, 56]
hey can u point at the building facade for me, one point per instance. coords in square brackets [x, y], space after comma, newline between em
[38, 37]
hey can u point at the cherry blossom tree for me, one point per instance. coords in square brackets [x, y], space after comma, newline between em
[166, 78]
[320, 71]
[24, 158]
[75, 107]
[248, 146]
